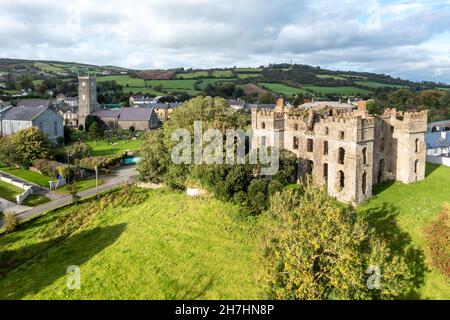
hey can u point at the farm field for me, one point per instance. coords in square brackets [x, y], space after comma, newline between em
[248, 75]
[283, 89]
[222, 74]
[204, 82]
[123, 80]
[151, 250]
[329, 76]
[376, 85]
[46, 67]
[192, 75]
[337, 90]
[184, 85]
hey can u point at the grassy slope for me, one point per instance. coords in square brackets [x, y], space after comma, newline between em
[28, 175]
[414, 207]
[102, 148]
[170, 247]
[283, 89]
[81, 185]
[9, 192]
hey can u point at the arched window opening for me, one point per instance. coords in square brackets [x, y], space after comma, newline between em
[364, 183]
[341, 156]
[416, 166]
[364, 155]
[417, 145]
[341, 180]
[310, 167]
[263, 125]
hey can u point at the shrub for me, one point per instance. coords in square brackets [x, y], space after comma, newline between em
[10, 222]
[104, 162]
[79, 150]
[437, 237]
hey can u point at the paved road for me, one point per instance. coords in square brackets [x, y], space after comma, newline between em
[118, 177]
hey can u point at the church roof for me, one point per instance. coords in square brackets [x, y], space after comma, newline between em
[33, 103]
[107, 113]
[22, 113]
[136, 114]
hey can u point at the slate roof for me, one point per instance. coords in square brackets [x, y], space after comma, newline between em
[135, 114]
[22, 113]
[125, 114]
[107, 113]
[437, 140]
[33, 103]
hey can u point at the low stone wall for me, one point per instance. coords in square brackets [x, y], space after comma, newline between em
[28, 189]
[57, 184]
[439, 160]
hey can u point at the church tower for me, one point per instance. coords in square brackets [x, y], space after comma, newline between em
[87, 97]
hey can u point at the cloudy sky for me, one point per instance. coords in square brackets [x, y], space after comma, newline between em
[409, 39]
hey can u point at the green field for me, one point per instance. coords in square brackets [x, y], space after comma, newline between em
[192, 75]
[376, 85]
[186, 86]
[283, 89]
[46, 67]
[337, 90]
[222, 74]
[123, 80]
[28, 175]
[142, 90]
[248, 70]
[248, 75]
[102, 148]
[205, 82]
[9, 192]
[412, 208]
[169, 247]
[329, 76]
[81, 185]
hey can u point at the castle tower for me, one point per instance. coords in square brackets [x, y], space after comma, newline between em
[87, 97]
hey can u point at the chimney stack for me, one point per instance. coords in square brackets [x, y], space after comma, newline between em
[362, 105]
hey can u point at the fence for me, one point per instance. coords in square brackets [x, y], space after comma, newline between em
[28, 189]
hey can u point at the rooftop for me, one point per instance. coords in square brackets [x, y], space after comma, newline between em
[22, 113]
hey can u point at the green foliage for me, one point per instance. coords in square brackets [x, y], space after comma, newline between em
[79, 150]
[73, 191]
[316, 248]
[95, 131]
[10, 222]
[105, 162]
[437, 237]
[28, 145]
[155, 158]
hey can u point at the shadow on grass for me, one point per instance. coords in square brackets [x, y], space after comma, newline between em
[430, 168]
[37, 266]
[383, 219]
[193, 290]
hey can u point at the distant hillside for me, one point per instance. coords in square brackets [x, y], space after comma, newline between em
[281, 79]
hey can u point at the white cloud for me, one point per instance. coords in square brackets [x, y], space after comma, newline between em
[409, 39]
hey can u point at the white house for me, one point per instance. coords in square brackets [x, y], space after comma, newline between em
[438, 147]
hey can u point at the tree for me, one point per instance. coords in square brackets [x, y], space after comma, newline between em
[316, 248]
[73, 191]
[95, 131]
[29, 145]
[267, 98]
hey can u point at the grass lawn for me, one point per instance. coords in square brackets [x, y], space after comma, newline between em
[35, 200]
[81, 186]
[169, 247]
[102, 148]
[28, 175]
[412, 208]
[9, 192]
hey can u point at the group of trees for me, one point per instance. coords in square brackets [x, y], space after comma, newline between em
[224, 90]
[436, 101]
[25, 146]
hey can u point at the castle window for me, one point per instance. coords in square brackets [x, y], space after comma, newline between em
[263, 125]
[310, 167]
[325, 148]
[310, 145]
[327, 131]
[417, 145]
[364, 152]
[341, 179]
[342, 135]
[296, 143]
[325, 171]
[364, 183]
[341, 156]
[296, 127]
[416, 166]
[382, 145]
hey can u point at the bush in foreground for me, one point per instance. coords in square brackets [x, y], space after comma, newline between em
[315, 248]
[10, 222]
